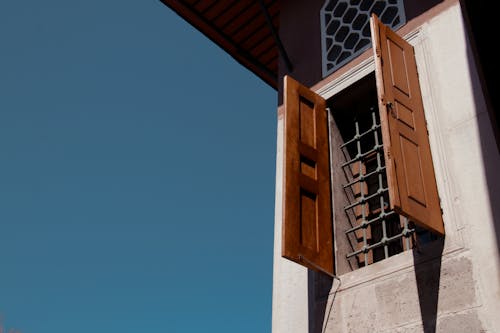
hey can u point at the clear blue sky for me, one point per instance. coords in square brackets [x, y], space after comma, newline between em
[137, 165]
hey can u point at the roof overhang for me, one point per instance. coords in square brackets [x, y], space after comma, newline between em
[245, 29]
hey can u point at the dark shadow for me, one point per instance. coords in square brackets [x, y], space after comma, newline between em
[416, 8]
[319, 287]
[480, 22]
[428, 274]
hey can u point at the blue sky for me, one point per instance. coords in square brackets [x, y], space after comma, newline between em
[137, 165]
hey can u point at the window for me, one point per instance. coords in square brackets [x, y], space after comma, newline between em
[345, 28]
[366, 229]
[388, 173]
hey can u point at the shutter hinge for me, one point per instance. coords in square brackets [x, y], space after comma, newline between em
[391, 110]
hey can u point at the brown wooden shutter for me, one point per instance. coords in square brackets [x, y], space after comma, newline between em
[410, 173]
[307, 215]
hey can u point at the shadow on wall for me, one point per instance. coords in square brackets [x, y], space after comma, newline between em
[480, 21]
[319, 288]
[428, 276]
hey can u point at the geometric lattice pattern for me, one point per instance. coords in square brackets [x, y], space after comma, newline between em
[345, 28]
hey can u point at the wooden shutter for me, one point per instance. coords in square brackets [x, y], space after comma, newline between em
[307, 215]
[410, 173]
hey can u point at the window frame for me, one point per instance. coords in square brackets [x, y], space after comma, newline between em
[327, 91]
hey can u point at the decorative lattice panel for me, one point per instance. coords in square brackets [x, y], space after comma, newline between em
[345, 28]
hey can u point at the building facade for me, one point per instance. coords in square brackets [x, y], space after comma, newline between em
[387, 213]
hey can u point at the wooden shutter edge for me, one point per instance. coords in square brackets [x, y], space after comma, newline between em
[394, 199]
[285, 247]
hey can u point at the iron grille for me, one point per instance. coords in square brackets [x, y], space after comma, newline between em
[379, 232]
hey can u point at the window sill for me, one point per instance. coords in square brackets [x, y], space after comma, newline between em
[401, 263]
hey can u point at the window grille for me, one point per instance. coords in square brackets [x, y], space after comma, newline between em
[379, 232]
[345, 28]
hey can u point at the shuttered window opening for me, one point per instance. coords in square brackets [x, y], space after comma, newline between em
[383, 194]
[373, 230]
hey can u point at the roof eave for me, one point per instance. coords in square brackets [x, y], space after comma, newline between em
[209, 30]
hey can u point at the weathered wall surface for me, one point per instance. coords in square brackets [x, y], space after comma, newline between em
[439, 296]
[445, 287]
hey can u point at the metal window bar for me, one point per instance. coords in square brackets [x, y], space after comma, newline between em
[393, 228]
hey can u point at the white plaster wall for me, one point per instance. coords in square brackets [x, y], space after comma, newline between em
[388, 296]
[290, 298]
[464, 152]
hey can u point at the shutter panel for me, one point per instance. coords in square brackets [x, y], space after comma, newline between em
[307, 215]
[410, 173]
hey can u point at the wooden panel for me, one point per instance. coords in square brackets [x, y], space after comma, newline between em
[273, 65]
[410, 157]
[260, 31]
[249, 14]
[260, 42]
[247, 30]
[307, 215]
[397, 59]
[218, 9]
[232, 13]
[404, 115]
[308, 220]
[269, 56]
[410, 172]
[204, 5]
